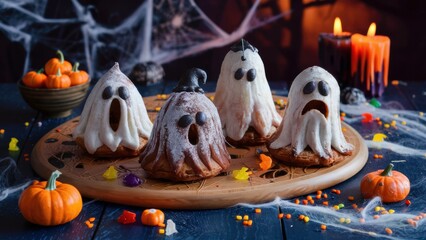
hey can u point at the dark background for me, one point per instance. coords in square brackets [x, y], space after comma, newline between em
[286, 46]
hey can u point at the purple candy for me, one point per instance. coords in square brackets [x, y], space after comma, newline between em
[131, 180]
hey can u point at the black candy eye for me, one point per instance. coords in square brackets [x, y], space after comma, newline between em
[185, 121]
[251, 75]
[309, 88]
[200, 118]
[123, 93]
[239, 74]
[323, 88]
[107, 93]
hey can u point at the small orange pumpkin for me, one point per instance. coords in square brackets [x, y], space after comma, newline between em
[35, 79]
[58, 81]
[78, 76]
[152, 217]
[391, 186]
[52, 66]
[50, 203]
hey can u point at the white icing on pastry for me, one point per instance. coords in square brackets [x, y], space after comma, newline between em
[312, 115]
[94, 125]
[243, 103]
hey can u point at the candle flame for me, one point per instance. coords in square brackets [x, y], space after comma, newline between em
[372, 30]
[337, 26]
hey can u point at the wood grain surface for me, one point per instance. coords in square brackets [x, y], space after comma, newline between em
[57, 150]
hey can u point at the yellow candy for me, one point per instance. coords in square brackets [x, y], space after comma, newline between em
[161, 96]
[393, 123]
[241, 174]
[27, 124]
[386, 125]
[13, 145]
[157, 109]
[342, 220]
[404, 123]
[379, 137]
[238, 217]
[280, 102]
[306, 219]
[110, 173]
[347, 220]
[377, 208]
[421, 114]
[391, 211]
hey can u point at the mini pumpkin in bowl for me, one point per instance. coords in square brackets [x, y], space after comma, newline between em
[54, 102]
[56, 89]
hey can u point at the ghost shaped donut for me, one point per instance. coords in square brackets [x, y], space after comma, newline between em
[187, 142]
[243, 98]
[114, 121]
[310, 133]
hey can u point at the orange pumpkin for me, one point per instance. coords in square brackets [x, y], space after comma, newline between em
[50, 203]
[152, 217]
[58, 81]
[52, 66]
[391, 186]
[78, 76]
[35, 79]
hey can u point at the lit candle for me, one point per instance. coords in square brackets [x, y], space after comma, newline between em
[335, 53]
[370, 62]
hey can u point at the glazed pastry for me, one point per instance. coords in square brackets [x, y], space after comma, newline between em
[114, 121]
[186, 142]
[310, 133]
[243, 98]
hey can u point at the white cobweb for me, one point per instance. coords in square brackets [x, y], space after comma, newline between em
[370, 228]
[11, 179]
[405, 138]
[159, 31]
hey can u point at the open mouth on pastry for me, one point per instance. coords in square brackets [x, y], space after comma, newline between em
[193, 134]
[114, 114]
[318, 105]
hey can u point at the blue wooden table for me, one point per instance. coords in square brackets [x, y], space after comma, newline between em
[201, 224]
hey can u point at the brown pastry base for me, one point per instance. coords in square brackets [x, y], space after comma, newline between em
[162, 169]
[104, 151]
[306, 158]
[187, 173]
[250, 138]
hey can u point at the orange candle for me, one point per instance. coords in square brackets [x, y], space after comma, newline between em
[335, 53]
[370, 61]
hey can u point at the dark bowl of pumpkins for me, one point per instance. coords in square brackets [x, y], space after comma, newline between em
[56, 89]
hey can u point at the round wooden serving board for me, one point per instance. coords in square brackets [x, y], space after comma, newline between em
[57, 150]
